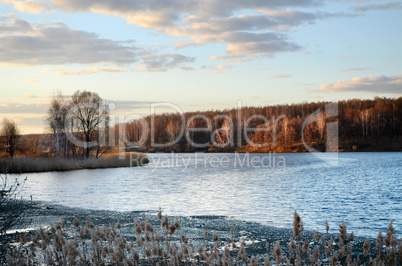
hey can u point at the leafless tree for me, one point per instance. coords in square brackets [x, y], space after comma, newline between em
[56, 119]
[91, 119]
[11, 138]
[32, 144]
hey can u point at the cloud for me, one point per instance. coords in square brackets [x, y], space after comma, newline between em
[54, 43]
[280, 76]
[30, 96]
[216, 68]
[354, 69]
[127, 8]
[243, 46]
[87, 71]
[379, 6]
[349, 57]
[201, 21]
[30, 6]
[376, 84]
[12, 24]
[164, 62]
[44, 70]
[233, 58]
[23, 108]
[258, 43]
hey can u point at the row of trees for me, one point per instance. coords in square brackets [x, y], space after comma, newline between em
[362, 123]
[83, 118]
[80, 127]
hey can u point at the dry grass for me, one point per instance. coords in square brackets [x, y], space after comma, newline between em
[31, 165]
[87, 244]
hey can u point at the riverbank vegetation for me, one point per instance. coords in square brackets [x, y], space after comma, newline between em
[79, 139]
[38, 164]
[163, 241]
[362, 125]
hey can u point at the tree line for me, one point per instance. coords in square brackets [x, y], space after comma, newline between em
[79, 126]
[362, 125]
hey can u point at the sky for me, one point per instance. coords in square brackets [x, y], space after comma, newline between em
[195, 54]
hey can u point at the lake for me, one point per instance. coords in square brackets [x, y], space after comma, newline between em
[363, 189]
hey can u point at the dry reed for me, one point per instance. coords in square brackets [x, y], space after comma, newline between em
[33, 165]
[89, 245]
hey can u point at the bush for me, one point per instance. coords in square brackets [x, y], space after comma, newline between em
[13, 210]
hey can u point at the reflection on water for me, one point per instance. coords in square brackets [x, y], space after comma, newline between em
[364, 189]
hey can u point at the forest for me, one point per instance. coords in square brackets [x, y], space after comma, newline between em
[362, 125]
[357, 125]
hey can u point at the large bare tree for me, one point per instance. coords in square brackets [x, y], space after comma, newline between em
[92, 119]
[10, 134]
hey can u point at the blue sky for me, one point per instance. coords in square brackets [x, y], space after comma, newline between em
[198, 54]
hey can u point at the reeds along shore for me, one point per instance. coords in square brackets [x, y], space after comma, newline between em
[164, 243]
[32, 165]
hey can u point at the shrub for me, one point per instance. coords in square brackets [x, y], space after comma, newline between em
[13, 210]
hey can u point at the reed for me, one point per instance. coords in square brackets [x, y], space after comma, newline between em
[34, 165]
[149, 245]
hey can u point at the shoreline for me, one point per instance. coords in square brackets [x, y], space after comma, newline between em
[22, 165]
[254, 235]
[41, 211]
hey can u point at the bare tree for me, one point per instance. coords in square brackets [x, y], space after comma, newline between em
[11, 138]
[364, 119]
[92, 119]
[56, 119]
[32, 144]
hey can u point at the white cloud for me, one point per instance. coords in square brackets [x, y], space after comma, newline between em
[57, 44]
[280, 76]
[25, 43]
[376, 84]
[44, 70]
[202, 21]
[164, 62]
[216, 68]
[379, 6]
[87, 71]
[23, 108]
[127, 8]
[29, 6]
[12, 24]
[29, 96]
[354, 69]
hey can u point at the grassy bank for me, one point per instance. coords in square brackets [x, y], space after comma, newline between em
[143, 238]
[33, 165]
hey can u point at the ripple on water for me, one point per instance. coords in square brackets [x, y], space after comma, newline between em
[364, 190]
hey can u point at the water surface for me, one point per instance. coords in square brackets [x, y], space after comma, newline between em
[363, 189]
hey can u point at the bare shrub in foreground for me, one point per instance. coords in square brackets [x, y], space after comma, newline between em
[13, 210]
